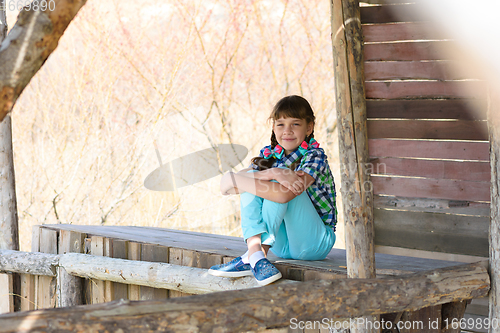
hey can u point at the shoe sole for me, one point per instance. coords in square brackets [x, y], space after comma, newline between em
[230, 274]
[270, 279]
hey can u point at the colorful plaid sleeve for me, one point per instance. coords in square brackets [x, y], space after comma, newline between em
[322, 191]
[313, 163]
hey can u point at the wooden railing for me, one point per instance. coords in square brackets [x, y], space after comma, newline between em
[273, 306]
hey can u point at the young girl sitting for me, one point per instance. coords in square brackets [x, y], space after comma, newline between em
[287, 197]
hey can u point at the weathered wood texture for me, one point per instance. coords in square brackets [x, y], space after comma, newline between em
[69, 288]
[134, 253]
[441, 169]
[431, 188]
[401, 32]
[432, 231]
[353, 142]
[270, 306]
[405, 51]
[9, 225]
[420, 112]
[131, 272]
[97, 286]
[428, 70]
[425, 89]
[154, 253]
[9, 228]
[33, 263]
[30, 42]
[494, 230]
[452, 313]
[29, 282]
[119, 250]
[427, 129]
[394, 13]
[46, 288]
[230, 247]
[427, 109]
[476, 151]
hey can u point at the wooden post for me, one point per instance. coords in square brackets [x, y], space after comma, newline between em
[134, 253]
[97, 287]
[47, 285]
[356, 187]
[153, 253]
[109, 287]
[120, 248]
[70, 288]
[494, 136]
[175, 257]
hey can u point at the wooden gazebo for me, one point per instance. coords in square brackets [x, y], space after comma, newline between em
[415, 180]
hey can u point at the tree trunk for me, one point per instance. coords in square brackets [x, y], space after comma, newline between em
[270, 306]
[30, 42]
[9, 227]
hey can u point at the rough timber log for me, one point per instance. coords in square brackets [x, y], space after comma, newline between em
[357, 189]
[151, 274]
[357, 195]
[266, 307]
[494, 234]
[30, 42]
[34, 263]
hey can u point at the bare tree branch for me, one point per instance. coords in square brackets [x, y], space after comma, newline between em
[30, 42]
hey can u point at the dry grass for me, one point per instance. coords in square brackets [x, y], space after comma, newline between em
[187, 73]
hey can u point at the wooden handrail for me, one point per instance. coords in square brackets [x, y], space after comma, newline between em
[143, 273]
[270, 306]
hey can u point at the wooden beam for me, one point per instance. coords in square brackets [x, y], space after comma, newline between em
[158, 275]
[405, 51]
[353, 141]
[477, 151]
[34, 263]
[390, 14]
[494, 234]
[265, 307]
[131, 272]
[347, 41]
[402, 31]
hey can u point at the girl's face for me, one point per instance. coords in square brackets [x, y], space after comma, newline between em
[291, 132]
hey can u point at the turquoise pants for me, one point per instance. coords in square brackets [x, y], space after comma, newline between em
[294, 229]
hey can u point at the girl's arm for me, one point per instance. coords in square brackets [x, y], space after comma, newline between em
[237, 183]
[292, 180]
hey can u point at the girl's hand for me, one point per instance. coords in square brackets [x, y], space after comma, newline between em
[292, 180]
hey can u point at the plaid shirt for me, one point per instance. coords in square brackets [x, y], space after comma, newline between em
[322, 191]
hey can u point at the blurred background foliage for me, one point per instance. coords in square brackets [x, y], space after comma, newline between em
[187, 73]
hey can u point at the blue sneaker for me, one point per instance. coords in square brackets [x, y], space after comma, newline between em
[265, 272]
[234, 268]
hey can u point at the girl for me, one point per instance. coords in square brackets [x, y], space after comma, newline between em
[287, 197]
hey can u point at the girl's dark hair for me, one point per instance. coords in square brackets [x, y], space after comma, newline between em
[288, 107]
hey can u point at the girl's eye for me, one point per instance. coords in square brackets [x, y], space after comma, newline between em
[279, 125]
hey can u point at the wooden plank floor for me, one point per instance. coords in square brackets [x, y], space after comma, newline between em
[234, 246]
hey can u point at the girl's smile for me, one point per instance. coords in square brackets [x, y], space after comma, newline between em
[290, 132]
